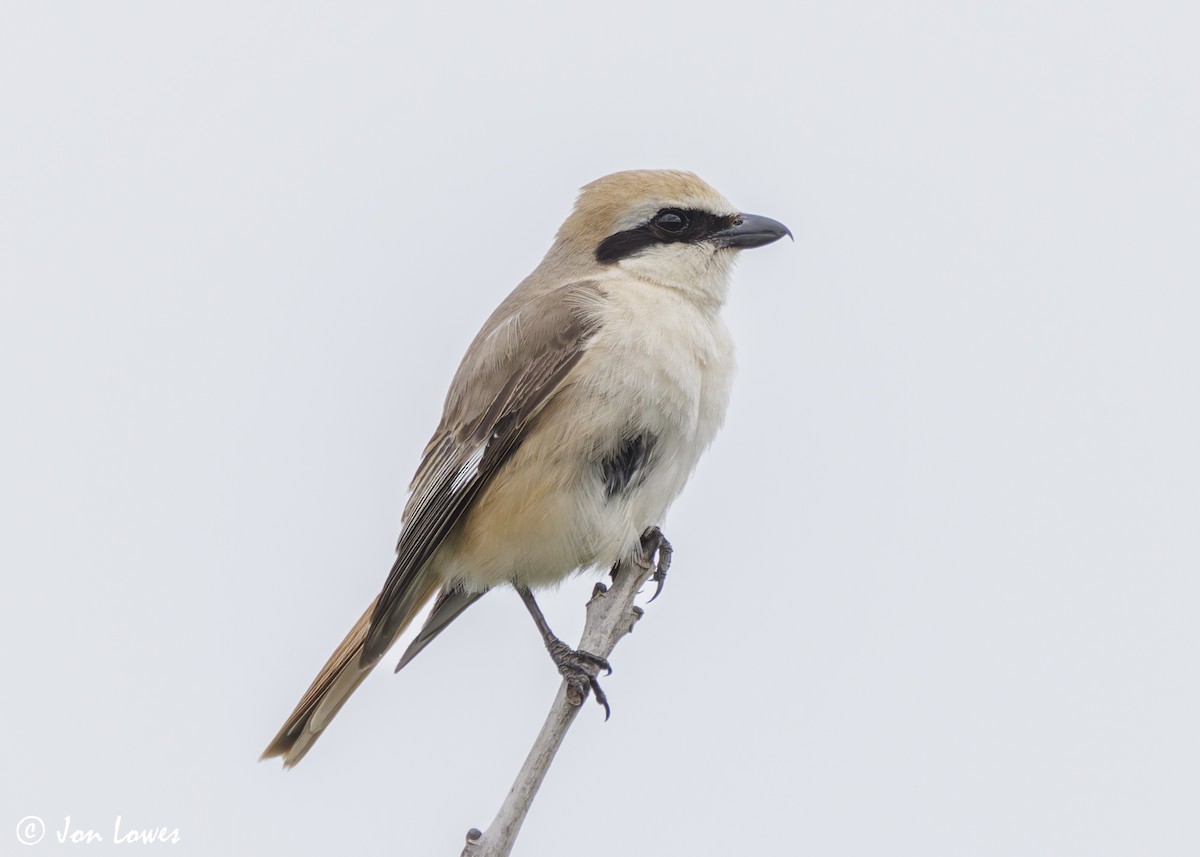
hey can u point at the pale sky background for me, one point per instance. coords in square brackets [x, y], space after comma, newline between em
[935, 589]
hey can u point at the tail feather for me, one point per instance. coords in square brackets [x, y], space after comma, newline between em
[340, 677]
[451, 602]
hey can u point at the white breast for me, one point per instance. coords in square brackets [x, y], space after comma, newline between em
[662, 363]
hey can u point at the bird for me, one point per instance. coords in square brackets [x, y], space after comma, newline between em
[578, 413]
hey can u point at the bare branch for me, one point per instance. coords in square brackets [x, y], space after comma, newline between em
[610, 616]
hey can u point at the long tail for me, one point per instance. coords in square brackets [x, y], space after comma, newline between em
[339, 678]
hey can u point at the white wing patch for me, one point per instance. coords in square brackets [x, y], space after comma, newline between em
[470, 469]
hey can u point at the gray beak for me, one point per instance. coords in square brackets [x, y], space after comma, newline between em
[751, 230]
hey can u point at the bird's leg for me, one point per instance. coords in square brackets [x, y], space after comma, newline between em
[654, 542]
[578, 669]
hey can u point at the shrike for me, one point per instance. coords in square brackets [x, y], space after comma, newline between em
[576, 417]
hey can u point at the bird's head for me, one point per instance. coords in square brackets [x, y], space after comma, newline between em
[664, 226]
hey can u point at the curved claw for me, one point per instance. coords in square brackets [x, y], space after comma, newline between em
[600, 697]
[654, 542]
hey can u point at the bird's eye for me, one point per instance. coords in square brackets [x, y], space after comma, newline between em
[671, 221]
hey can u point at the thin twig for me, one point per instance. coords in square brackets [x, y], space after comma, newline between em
[610, 616]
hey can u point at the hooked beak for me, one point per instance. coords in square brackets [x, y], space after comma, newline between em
[751, 230]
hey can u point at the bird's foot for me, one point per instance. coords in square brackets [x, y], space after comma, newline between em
[654, 542]
[579, 670]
